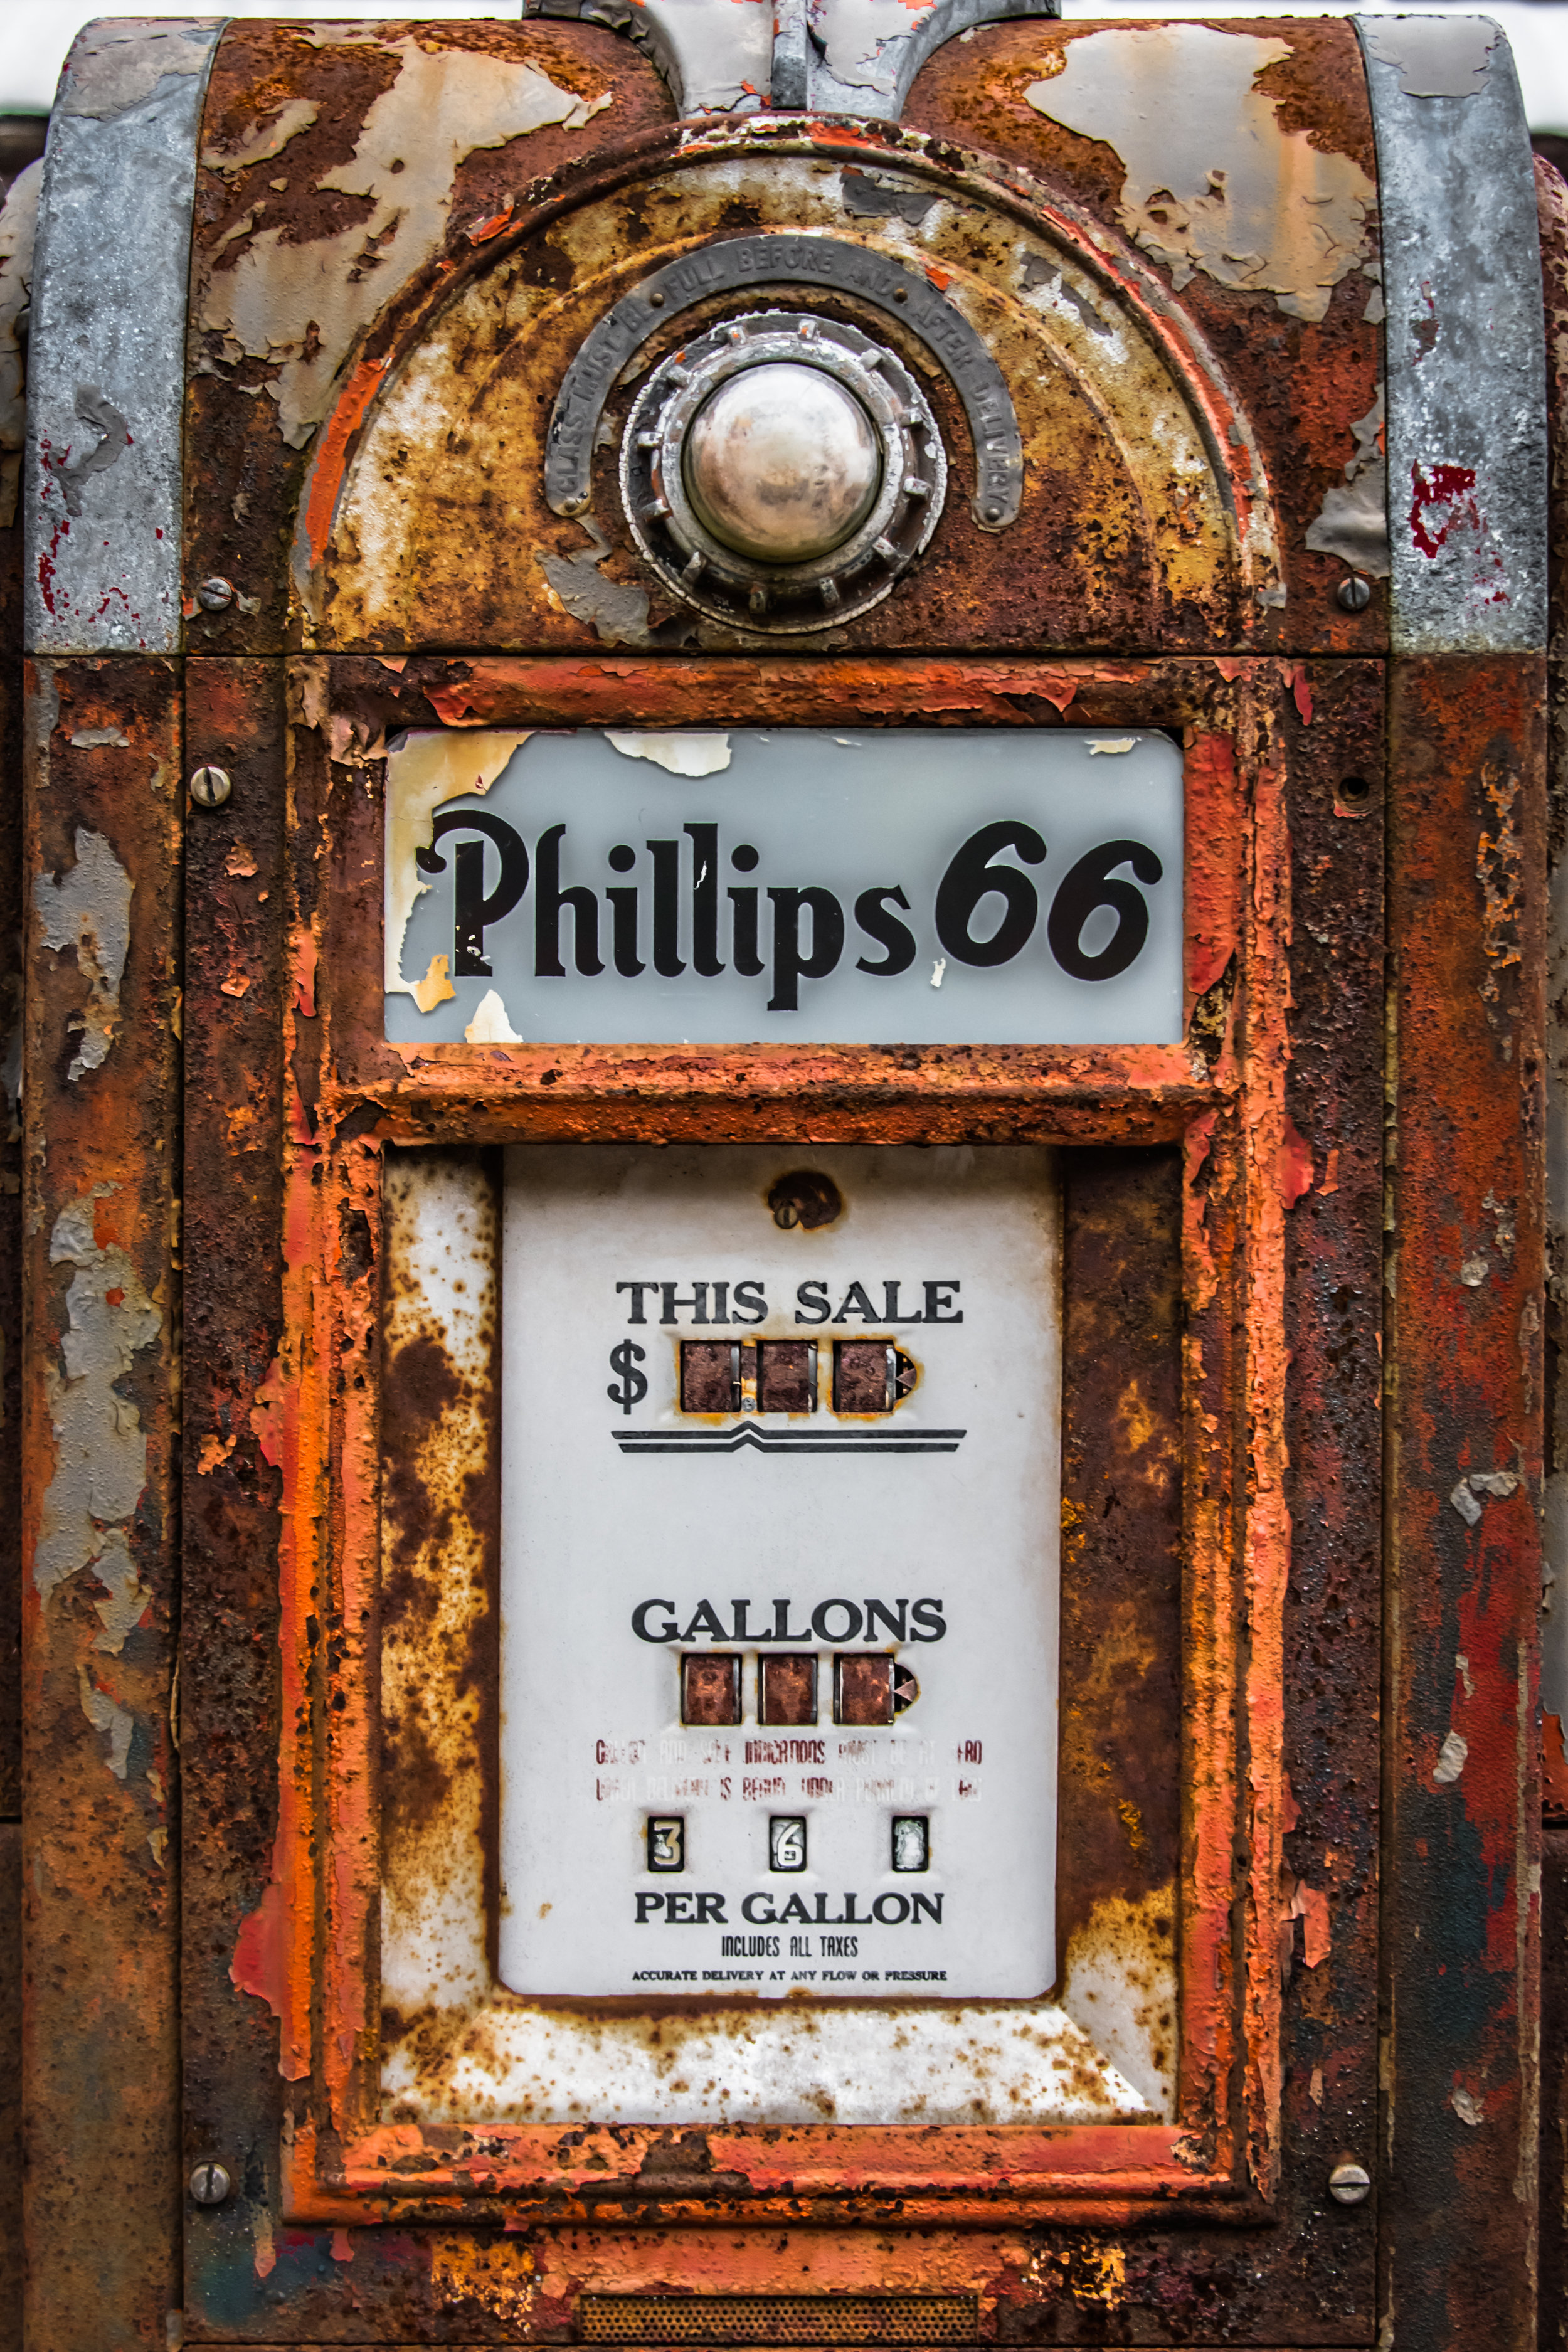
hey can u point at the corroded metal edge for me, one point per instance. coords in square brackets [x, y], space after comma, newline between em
[101, 477]
[1461, 2062]
[98, 1444]
[1553, 198]
[1465, 354]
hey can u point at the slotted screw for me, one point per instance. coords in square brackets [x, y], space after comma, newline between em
[210, 787]
[1354, 593]
[210, 2183]
[1350, 2184]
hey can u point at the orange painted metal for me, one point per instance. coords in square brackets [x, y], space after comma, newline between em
[1273, 1105]
[319, 1917]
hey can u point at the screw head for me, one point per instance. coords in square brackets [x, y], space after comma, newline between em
[1354, 593]
[215, 596]
[210, 2183]
[1350, 2184]
[210, 787]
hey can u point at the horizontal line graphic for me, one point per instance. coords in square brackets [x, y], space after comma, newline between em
[786, 1440]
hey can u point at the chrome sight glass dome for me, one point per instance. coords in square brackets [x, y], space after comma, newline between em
[781, 470]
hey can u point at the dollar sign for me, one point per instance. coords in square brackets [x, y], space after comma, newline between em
[633, 1388]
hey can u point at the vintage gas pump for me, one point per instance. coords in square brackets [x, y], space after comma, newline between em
[783, 1129]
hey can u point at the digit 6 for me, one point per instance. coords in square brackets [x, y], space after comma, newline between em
[1087, 886]
[972, 877]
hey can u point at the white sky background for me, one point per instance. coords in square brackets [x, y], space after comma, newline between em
[36, 34]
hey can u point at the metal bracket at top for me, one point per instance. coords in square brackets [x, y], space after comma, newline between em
[814, 57]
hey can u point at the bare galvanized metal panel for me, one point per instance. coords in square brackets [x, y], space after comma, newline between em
[1467, 420]
[102, 472]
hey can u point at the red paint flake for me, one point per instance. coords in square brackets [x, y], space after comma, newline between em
[1301, 694]
[483, 230]
[305, 974]
[115, 1297]
[1295, 1165]
[61, 531]
[941, 278]
[1446, 486]
[258, 1965]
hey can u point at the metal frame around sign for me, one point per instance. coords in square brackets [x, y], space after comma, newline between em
[1220, 1094]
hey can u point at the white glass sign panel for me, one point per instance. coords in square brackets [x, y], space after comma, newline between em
[780, 1572]
[998, 886]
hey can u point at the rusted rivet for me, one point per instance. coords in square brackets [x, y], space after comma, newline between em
[1350, 2184]
[214, 595]
[656, 301]
[1354, 593]
[210, 787]
[210, 2183]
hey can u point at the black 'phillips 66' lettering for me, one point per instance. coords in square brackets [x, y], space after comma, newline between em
[985, 912]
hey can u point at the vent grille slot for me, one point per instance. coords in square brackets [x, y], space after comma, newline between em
[778, 2319]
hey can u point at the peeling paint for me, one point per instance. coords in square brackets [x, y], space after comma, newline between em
[866, 197]
[269, 138]
[615, 611]
[106, 1715]
[1214, 181]
[686, 754]
[1451, 1758]
[87, 910]
[436, 988]
[1465, 1503]
[100, 1448]
[490, 1025]
[300, 305]
[426, 769]
[1352, 522]
[861, 38]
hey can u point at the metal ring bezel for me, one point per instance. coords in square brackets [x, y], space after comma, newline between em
[747, 592]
